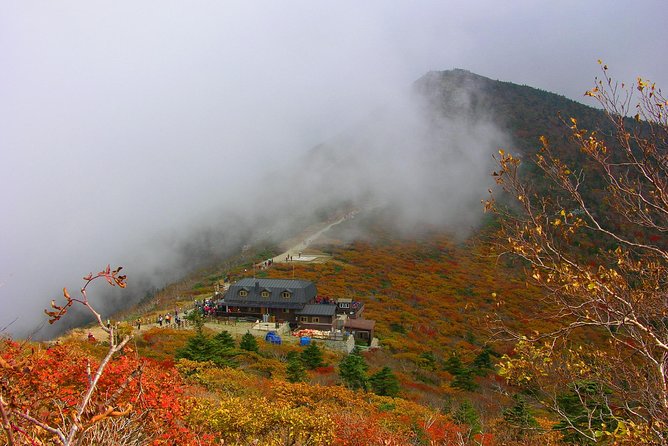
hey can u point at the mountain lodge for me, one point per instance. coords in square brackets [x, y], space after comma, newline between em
[293, 301]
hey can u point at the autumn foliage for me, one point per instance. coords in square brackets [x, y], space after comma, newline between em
[48, 383]
[114, 395]
[434, 299]
[61, 395]
[595, 243]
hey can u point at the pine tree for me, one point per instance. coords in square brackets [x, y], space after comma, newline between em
[352, 370]
[295, 371]
[466, 414]
[454, 364]
[195, 316]
[223, 349]
[312, 356]
[464, 380]
[463, 376]
[384, 382]
[482, 363]
[197, 348]
[585, 406]
[428, 361]
[249, 343]
[518, 417]
[223, 340]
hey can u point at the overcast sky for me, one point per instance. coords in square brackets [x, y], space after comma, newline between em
[126, 123]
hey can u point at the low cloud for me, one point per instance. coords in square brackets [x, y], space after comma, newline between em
[162, 135]
[423, 163]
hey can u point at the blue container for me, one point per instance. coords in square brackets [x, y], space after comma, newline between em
[273, 337]
[304, 340]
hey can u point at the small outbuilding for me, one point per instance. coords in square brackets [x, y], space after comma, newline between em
[317, 317]
[361, 329]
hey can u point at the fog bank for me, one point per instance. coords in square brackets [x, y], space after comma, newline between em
[158, 135]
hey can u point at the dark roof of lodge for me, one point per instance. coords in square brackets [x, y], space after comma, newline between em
[300, 293]
[318, 310]
[360, 324]
[274, 283]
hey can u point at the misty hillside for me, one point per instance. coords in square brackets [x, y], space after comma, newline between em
[426, 156]
[429, 155]
[424, 159]
[523, 111]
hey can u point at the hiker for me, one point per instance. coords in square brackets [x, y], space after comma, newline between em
[138, 323]
[91, 338]
[160, 320]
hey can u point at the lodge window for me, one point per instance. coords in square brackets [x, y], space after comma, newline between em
[265, 294]
[243, 293]
[286, 294]
[315, 319]
[303, 319]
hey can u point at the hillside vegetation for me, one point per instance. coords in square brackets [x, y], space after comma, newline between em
[429, 308]
[564, 341]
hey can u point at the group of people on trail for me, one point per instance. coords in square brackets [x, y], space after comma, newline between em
[167, 320]
[266, 264]
[170, 318]
[289, 258]
[207, 307]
